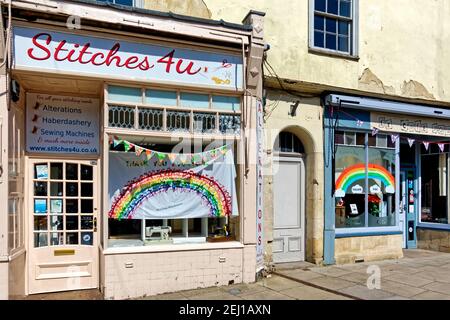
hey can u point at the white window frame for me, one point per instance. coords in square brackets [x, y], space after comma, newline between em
[354, 33]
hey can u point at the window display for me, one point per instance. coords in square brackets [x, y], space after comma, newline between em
[364, 181]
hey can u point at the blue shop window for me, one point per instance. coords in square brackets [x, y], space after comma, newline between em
[226, 103]
[161, 97]
[124, 94]
[194, 100]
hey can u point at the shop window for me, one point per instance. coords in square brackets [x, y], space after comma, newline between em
[173, 111]
[434, 186]
[364, 181]
[334, 26]
[129, 3]
[175, 211]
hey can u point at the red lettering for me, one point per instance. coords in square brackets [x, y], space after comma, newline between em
[37, 44]
[58, 49]
[84, 51]
[111, 56]
[130, 61]
[94, 56]
[145, 65]
[188, 69]
[168, 59]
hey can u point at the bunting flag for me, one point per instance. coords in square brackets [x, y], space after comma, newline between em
[359, 123]
[394, 137]
[426, 144]
[193, 158]
[138, 150]
[172, 157]
[375, 131]
[148, 153]
[411, 142]
[441, 146]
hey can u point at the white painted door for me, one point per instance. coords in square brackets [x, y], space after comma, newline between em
[62, 232]
[289, 199]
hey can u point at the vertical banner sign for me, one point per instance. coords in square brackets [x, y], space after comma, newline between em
[260, 182]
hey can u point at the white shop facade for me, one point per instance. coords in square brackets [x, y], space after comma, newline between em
[131, 166]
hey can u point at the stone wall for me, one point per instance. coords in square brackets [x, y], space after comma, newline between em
[3, 280]
[17, 271]
[373, 248]
[435, 240]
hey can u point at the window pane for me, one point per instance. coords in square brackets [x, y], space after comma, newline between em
[86, 172]
[319, 23]
[56, 171]
[381, 202]
[56, 223]
[40, 188]
[331, 41]
[71, 222]
[87, 238]
[161, 98]
[72, 238]
[124, 94]
[124, 2]
[40, 240]
[226, 103]
[343, 44]
[194, 100]
[318, 39]
[40, 223]
[345, 8]
[333, 6]
[56, 188]
[339, 137]
[343, 28]
[350, 189]
[87, 189]
[331, 25]
[360, 139]
[71, 205]
[56, 206]
[350, 138]
[71, 171]
[41, 171]
[320, 5]
[56, 238]
[71, 189]
[434, 188]
[40, 205]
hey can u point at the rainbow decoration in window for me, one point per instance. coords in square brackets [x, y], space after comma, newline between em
[358, 172]
[137, 191]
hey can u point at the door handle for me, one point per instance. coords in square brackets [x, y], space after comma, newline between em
[95, 224]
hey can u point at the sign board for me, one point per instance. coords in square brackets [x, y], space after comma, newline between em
[260, 184]
[62, 124]
[63, 52]
[410, 125]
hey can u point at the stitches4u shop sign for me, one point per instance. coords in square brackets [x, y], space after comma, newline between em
[88, 55]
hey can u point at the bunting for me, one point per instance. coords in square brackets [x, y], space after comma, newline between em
[174, 158]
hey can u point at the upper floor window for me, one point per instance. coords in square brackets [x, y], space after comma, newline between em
[333, 26]
[131, 3]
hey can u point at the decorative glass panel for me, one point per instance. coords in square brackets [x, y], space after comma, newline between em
[230, 124]
[178, 121]
[121, 117]
[87, 238]
[204, 122]
[150, 119]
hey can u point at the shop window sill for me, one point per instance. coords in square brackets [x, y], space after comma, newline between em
[174, 247]
[442, 227]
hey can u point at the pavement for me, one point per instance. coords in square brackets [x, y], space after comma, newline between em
[420, 275]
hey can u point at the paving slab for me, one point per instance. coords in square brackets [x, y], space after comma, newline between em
[331, 283]
[431, 295]
[309, 293]
[399, 289]
[278, 283]
[365, 293]
[415, 280]
[267, 295]
[439, 287]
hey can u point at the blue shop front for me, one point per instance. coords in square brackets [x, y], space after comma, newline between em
[386, 178]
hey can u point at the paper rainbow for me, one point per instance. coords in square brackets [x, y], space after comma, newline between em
[137, 191]
[358, 172]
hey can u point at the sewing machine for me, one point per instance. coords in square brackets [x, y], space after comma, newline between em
[162, 231]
